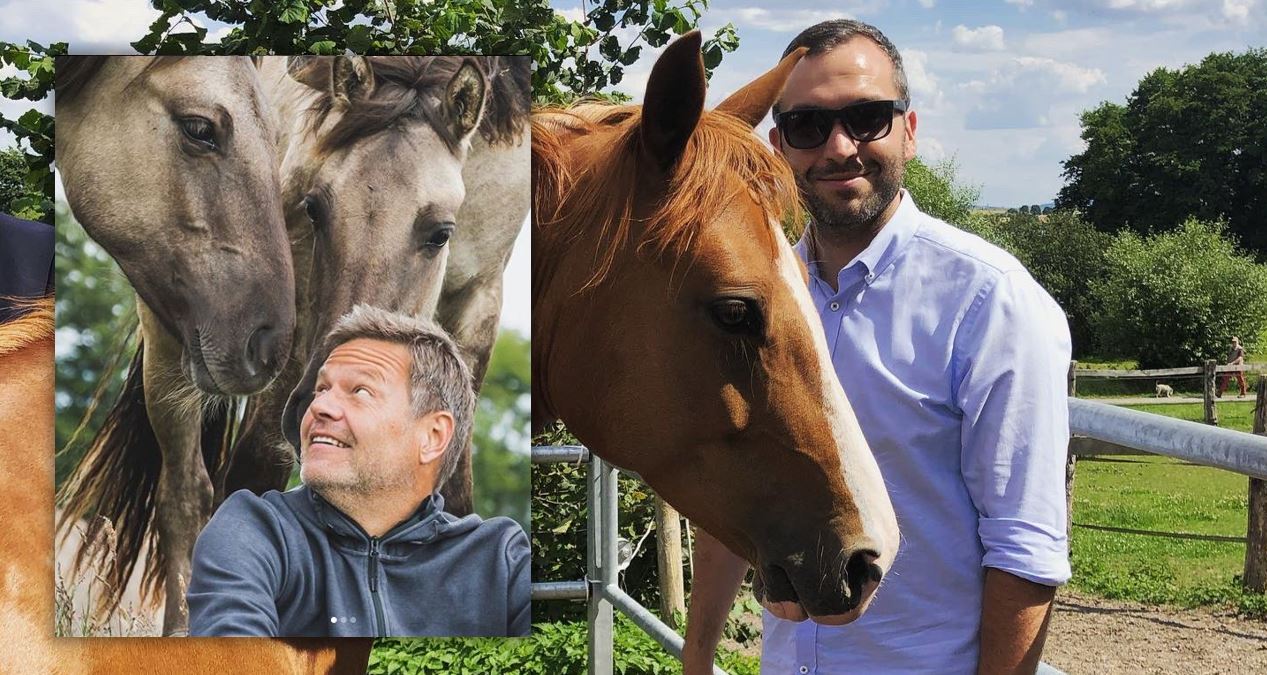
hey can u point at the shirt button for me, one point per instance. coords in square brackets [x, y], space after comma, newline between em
[804, 670]
[870, 276]
[835, 306]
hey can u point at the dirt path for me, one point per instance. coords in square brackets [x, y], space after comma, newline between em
[1104, 637]
[1092, 636]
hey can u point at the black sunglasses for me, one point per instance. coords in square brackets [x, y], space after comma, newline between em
[806, 128]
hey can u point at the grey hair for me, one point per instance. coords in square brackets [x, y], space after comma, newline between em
[439, 378]
[826, 36]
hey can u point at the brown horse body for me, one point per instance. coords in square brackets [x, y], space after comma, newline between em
[26, 552]
[674, 334]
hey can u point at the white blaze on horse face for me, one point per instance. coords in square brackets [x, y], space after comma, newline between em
[861, 473]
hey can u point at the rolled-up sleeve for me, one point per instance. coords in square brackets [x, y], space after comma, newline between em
[237, 571]
[1012, 354]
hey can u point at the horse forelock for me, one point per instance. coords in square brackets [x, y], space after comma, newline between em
[404, 89]
[595, 196]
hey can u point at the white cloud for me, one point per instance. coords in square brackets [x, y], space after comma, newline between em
[927, 4]
[925, 89]
[89, 25]
[1026, 93]
[571, 13]
[1021, 3]
[1237, 10]
[796, 20]
[985, 39]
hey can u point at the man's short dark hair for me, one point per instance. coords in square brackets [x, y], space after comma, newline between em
[826, 36]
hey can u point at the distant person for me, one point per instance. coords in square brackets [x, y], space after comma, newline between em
[1235, 357]
[364, 546]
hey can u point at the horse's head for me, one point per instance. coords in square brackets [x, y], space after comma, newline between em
[373, 178]
[675, 335]
[169, 165]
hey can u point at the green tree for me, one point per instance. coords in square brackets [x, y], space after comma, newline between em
[1175, 298]
[938, 191]
[12, 178]
[96, 315]
[501, 459]
[1188, 143]
[573, 58]
[1066, 255]
[32, 129]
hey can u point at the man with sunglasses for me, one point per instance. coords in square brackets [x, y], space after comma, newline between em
[954, 360]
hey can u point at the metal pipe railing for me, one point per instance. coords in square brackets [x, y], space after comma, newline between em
[1200, 443]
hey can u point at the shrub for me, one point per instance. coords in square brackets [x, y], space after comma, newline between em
[1175, 298]
[1066, 254]
[554, 649]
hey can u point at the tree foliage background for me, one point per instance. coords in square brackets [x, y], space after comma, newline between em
[1188, 143]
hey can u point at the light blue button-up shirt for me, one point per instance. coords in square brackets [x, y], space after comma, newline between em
[955, 361]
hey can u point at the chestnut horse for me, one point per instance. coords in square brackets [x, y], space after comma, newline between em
[26, 550]
[169, 165]
[674, 334]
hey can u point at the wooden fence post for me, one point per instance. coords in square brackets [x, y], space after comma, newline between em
[1211, 414]
[1071, 460]
[1255, 577]
[669, 560]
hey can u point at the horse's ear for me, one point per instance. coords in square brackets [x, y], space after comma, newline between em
[674, 100]
[351, 78]
[754, 100]
[312, 71]
[464, 98]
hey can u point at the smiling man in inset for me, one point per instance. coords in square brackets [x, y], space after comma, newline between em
[364, 546]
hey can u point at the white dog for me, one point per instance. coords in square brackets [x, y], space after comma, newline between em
[1164, 390]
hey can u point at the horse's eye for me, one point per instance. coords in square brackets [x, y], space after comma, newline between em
[200, 131]
[312, 206]
[736, 315]
[440, 237]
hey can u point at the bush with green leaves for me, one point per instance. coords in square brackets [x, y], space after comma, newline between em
[1175, 298]
[559, 512]
[1066, 255]
[554, 649]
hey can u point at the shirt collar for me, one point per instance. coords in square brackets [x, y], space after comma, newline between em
[883, 249]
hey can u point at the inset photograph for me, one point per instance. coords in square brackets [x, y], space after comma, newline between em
[290, 399]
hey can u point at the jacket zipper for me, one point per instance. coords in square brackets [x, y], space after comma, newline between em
[379, 621]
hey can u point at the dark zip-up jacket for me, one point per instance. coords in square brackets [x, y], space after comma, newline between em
[292, 565]
[26, 262]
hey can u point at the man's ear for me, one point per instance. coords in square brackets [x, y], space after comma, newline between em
[908, 147]
[776, 140]
[435, 431]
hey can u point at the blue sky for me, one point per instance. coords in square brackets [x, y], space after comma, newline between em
[998, 85]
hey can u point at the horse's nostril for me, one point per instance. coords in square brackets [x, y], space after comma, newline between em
[859, 571]
[260, 348]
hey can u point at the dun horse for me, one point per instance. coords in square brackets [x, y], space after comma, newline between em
[374, 177]
[169, 165]
[674, 334]
[26, 550]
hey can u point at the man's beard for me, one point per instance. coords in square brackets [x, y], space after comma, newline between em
[853, 217]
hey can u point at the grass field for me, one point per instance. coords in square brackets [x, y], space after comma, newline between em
[1164, 495]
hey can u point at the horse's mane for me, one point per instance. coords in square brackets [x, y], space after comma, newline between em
[75, 72]
[33, 322]
[404, 86]
[597, 197]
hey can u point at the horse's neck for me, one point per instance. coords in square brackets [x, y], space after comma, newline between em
[26, 500]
